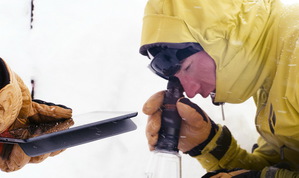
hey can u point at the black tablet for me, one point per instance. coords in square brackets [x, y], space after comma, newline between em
[87, 127]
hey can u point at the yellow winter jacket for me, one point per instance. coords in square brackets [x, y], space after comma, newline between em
[255, 45]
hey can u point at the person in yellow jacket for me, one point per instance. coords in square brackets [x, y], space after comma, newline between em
[233, 50]
[24, 117]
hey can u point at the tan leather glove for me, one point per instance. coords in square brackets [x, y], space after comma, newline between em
[20, 117]
[195, 128]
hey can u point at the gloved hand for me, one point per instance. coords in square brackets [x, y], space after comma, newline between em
[21, 117]
[281, 169]
[236, 173]
[197, 129]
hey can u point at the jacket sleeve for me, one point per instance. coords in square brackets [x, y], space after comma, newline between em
[277, 173]
[223, 152]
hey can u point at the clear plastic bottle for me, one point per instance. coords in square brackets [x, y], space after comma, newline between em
[166, 160]
[164, 165]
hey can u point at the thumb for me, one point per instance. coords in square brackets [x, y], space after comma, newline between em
[46, 112]
[153, 104]
[190, 112]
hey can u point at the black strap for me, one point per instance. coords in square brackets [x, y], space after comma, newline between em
[271, 172]
[223, 143]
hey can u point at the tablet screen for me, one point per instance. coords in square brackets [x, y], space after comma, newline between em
[99, 116]
[82, 120]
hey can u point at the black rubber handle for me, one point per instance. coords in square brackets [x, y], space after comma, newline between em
[171, 120]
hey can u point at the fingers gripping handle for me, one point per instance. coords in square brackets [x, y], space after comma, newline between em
[171, 120]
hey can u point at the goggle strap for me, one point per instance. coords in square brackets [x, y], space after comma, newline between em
[149, 55]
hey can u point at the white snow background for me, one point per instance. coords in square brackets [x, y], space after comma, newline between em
[84, 54]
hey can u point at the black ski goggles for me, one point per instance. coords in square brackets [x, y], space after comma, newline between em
[166, 63]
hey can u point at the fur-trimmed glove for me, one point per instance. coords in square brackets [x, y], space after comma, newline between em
[197, 129]
[22, 117]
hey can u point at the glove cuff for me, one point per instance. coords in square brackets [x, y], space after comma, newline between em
[223, 143]
[218, 145]
[271, 171]
[197, 150]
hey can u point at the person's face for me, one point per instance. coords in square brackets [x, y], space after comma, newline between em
[198, 75]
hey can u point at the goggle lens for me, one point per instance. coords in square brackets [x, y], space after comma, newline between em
[165, 63]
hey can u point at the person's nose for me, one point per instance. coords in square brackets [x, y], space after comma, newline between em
[190, 88]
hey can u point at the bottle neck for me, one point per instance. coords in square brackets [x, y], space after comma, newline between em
[157, 150]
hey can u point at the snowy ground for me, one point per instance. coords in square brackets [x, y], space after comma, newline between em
[84, 54]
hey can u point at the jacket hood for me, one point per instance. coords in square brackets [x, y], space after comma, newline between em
[237, 34]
